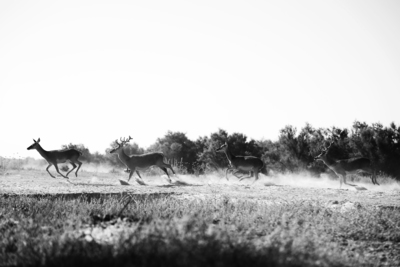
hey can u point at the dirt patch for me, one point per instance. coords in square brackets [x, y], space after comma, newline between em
[267, 189]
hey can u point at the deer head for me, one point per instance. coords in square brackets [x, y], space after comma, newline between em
[34, 145]
[334, 136]
[323, 152]
[222, 148]
[120, 145]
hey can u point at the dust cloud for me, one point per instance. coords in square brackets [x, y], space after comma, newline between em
[299, 180]
[102, 168]
[33, 164]
[305, 180]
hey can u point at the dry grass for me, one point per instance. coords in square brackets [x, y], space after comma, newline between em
[216, 231]
[213, 222]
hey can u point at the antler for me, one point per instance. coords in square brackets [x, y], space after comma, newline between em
[324, 149]
[329, 145]
[333, 137]
[124, 141]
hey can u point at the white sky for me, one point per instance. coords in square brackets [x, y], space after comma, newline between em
[92, 71]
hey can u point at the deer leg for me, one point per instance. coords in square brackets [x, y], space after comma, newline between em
[340, 180]
[256, 174]
[246, 177]
[55, 165]
[130, 174]
[73, 165]
[80, 164]
[241, 179]
[169, 167]
[226, 173]
[235, 172]
[137, 172]
[166, 171]
[344, 180]
[47, 169]
[373, 177]
[376, 181]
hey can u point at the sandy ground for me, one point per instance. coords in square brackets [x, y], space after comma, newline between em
[268, 189]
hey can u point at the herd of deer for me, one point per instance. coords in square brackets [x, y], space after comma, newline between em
[250, 164]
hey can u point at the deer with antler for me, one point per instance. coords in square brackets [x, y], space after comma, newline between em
[346, 166]
[248, 164]
[140, 162]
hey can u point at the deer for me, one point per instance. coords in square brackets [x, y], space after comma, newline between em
[346, 166]
[140, 162]
[58, 156]
[249, 164]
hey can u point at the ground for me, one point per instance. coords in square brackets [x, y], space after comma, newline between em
[271, 189]
[268, 190]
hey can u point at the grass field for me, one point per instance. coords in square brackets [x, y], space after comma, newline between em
[196, 221]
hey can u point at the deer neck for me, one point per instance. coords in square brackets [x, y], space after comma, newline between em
[229, 155]
[123, 157]
[41, 151]
[328, 160]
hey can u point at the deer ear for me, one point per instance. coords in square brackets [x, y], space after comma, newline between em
[34, 141]
[38, 140]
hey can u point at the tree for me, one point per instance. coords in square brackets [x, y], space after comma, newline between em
[238, 145]
[295, 149]
[176, 146]
[380, 144]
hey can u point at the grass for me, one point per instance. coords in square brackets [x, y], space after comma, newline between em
[8, 164]
[156, 230]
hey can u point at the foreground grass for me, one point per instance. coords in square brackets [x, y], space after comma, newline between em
[163, 230]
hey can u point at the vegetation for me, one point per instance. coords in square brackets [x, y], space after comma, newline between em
[293, 151]
[154, 230]
[219, 231]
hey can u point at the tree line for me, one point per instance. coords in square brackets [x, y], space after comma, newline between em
[293, 151]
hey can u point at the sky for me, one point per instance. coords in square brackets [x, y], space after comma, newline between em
[88, 72]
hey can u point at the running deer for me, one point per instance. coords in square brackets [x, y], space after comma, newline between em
[346, 166]
[140, 162]
[58, 156]
[241, 163]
